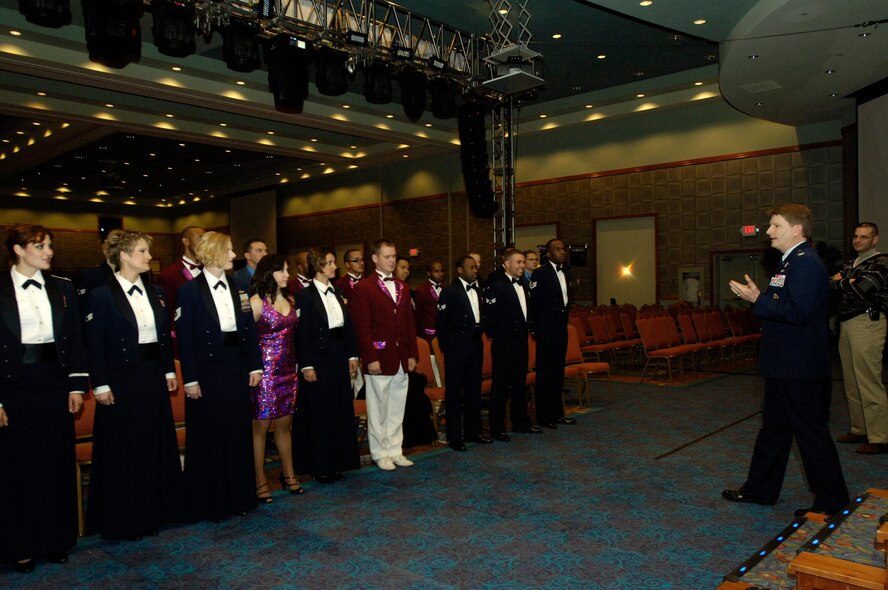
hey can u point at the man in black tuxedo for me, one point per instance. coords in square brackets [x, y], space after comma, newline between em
[505, 321]
[794, 362]
[549, 304]
[458, 327]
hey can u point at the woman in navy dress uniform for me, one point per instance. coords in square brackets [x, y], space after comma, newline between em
[41, 386]
[220, 359]
[324, 432]
[136, 477]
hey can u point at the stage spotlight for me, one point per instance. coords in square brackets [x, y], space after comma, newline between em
[331, 77]
[443, 98]
[287, 57]
[357, 39]
[240, 45]
[173, 27]
[413, 93]
[438, 64]
[377, 84]
[113, 32]
[46, 13]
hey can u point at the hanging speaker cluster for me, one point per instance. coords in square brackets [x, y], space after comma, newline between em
[472, 118]
[113, 32]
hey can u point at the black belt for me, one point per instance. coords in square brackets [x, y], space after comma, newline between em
[337, 334]
[230, 339]
[39, 353]
[149, 351]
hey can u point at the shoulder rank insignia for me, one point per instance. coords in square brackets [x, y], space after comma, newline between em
[532, 285]
[491, 300]
[89, 317]
[178, 314]
[442, 306]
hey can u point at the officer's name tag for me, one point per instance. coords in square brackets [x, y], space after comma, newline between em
[778, 280]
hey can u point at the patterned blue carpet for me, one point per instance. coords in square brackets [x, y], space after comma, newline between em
[629, 498]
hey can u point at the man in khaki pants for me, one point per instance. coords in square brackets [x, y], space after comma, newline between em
[863, 288]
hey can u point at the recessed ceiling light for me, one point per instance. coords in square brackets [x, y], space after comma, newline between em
[35, 123]
[346, 106]
[152, 155]
[176, 68]
[170, 115]
[556, 36]
[109, 105]
[270, 132]
[389, 116]
[240, 83]
[428, 124]
[223, 124]
[639, 95]
[227, 151]
[19, 132]
[504, 11]
[700, 21]
[543, 116]
[15, 33]
[833, 94]
[753, 56]
[645, 3]
[181, 145]
[405, 156]
[602, 56]
[314, 139]
[588, 106]
[829, 72]
[41, 94]
[698, 83]
[354, 147]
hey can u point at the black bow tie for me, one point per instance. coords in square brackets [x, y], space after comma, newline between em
[388, 278]
[134, 289]
[189, 265]
[220, 284]
[517, 281]
[558, 267]
[30, 283]
[470, 287]
[328, 290]
[436, 285]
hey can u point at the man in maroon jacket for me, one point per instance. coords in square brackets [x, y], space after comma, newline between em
[354, 272]
[383, 320]
[426, 298]
[183, 270]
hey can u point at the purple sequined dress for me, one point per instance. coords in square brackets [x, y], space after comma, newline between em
[275, 396]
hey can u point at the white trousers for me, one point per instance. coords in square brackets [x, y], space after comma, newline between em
[386, 398]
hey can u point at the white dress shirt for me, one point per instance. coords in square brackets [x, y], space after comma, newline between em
[335, 318]
[35, 312]
[472, 294]
[223, 301]
[561, 280]
[519, 290]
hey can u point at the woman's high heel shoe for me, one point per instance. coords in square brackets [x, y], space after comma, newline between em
[287, 483]
[264, 497]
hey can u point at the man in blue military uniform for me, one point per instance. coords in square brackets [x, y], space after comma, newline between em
[796, 368]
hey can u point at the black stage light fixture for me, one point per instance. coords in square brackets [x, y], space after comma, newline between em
[473, 156]
[413, 93]
[357, 38]
[46, 13]
[438, 64]
[377, 84]
[443, 98]
[331, 76]
[173, 27]
[240, 45]
[113, 32]
[287, 57]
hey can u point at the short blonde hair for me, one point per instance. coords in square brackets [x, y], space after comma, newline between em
[122, 241]
[212, 249]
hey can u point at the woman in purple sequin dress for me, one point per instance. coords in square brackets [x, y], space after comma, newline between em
[275, 398]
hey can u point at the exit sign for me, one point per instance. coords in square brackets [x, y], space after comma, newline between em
[749, 230]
